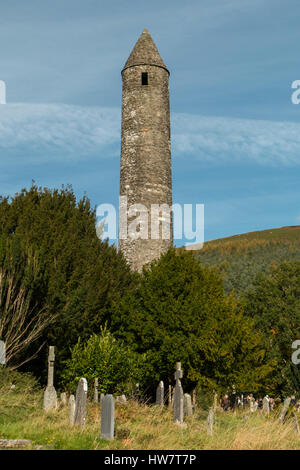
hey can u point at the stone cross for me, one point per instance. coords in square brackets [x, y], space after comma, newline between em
[160, 394]
[71, 410]
[107, 417]
[96, 394]
[210, 421]
[178, 395]
[284, 410]
[50, 396]
[187, 405]
[266, 405]
[80, 403]
[2, 352]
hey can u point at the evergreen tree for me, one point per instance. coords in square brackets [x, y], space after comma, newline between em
[179, 312]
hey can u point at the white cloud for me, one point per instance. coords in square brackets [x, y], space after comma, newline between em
[46, 132]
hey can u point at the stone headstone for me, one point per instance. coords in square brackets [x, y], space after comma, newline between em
[96, 393]
[160, 394]
[178, 396]
[266, 405]
[284, 409]
[121, 399]
[80, 402]
[170, 397]
[296, 424]
[187, 405]
[63, 398]
[210, 421]
[71, 410]
[50, 395]
[107, 417]
[101, 398]
[2, 352]
[251, 404]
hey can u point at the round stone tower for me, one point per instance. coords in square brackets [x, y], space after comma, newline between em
[145, 221]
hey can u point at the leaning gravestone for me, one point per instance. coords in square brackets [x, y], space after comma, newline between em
[266, 405]
[160, 394]
[71, 410]
[178, 396]
[107, 417]
[50, 396]
[80, 403]
[284, 410]
[210, 421]
[96, 393]
[2, 352]
[187, 405]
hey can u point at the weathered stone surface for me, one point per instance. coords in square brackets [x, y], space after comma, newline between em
[160, 394]
[14, 443]
[2, 352]
[187, 405]
[145, 151]
[71, 410]
[266, 405]
[107, 417]
[178, 396]
[63, 398]
[80, 403]
[284, 410]
[121, 399]
[50, 395]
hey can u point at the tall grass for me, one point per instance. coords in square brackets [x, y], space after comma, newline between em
[137, 425]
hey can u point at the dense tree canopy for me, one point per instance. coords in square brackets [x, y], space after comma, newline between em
[80, 276]
[274, 304]
[179, 312]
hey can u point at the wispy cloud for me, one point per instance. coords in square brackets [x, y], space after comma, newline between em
[45, 132]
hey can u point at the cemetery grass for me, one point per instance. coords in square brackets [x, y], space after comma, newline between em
[139, 426]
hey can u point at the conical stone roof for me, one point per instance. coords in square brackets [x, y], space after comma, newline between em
[145, 52]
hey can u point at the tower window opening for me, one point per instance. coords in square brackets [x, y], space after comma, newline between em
[144, 78]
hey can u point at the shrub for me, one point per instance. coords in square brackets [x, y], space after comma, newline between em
[114, 364]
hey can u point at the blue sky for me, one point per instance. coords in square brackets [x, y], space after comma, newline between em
[235, 132]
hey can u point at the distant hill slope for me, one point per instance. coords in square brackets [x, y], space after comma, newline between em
[241, 257]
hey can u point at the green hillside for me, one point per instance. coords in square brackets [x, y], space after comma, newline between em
[241, 257]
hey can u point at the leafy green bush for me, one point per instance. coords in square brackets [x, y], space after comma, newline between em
[113, 363]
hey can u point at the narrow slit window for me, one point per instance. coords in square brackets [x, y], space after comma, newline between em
[144, 78]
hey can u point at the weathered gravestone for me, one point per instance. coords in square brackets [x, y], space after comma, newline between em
[284, 409]
[71, 410]
[2, 352]
[121, 399]
[251, 404]
[266, 405]
[107, 417]
[178, 396]
[96, 393]
[160, 394]
[210, 421]
[296, 424]
[63, 398]
[50, 396]
[170, 397]
[187, 405]
[80, 403]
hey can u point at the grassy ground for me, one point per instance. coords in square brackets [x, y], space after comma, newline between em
[138, 426]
